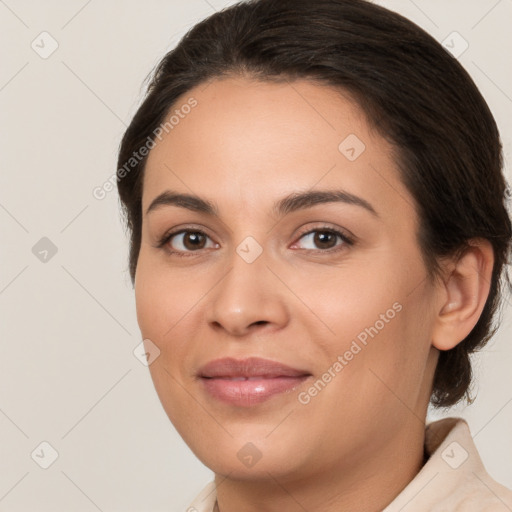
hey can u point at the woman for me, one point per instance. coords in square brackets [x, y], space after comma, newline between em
[315, 199]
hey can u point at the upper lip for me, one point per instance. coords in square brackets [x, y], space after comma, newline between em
[250, 367]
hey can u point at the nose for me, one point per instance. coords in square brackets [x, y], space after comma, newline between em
[249, 298]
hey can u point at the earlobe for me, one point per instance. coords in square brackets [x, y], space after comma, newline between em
[464, 290]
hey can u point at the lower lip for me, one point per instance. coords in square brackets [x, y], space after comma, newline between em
[246, 393]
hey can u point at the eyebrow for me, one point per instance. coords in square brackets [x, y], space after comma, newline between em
[291, 203]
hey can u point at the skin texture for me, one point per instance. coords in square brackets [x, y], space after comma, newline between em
[359, 441]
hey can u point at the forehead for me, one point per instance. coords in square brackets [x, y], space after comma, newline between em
[257, 141]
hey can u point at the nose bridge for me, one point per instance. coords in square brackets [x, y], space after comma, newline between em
[248, 293]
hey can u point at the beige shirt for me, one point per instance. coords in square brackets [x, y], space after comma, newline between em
[452, 480]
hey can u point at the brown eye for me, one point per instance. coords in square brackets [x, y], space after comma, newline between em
[188, 241]
[193, 240]
[323, 239]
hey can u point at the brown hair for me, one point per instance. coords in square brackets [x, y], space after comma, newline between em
[417, 96]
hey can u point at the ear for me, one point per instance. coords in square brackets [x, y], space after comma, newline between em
[463, 294]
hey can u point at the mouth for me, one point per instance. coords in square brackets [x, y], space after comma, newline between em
[250, 381]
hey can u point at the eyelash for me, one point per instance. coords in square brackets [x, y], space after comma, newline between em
[326, 229]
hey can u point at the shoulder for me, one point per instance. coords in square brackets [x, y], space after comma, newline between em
[478, 492]
[205, 500]
[454, 478]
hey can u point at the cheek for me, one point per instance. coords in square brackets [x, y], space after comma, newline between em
[168, 302]
[343, 305]
[162, 303]
[370, 319]
[163, 298]
[391, 366]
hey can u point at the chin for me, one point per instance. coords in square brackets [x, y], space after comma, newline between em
[251, 457]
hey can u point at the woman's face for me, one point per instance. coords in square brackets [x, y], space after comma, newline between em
[343, 320]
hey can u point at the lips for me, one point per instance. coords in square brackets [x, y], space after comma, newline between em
[250, 381]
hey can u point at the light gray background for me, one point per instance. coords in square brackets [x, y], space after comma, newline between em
[68, 375]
